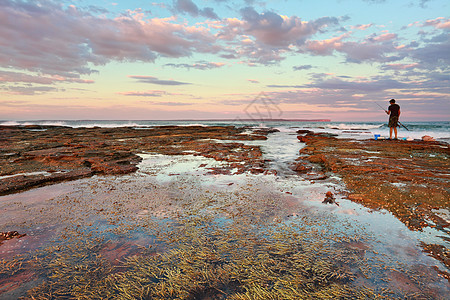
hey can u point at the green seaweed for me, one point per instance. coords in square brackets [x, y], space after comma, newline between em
[209, 260]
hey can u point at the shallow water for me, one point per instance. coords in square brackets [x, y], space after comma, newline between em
[125, 214]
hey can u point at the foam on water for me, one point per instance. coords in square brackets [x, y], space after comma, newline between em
[353, 126]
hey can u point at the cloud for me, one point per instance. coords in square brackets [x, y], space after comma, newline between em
[323, 47]
[16, 103]
[399, 66]
[169, 103]
[368, 52]
[266, 38]
[154, 93]
[154, 80]
[440, 23]
[26, 84]
[113, 112]
[253, 80]
[198, 65]
[285, 86]
[362, 26]
[423, 3]
[275, 30]
[229, 56]
[48, 38]
[209, 13]
[433, 55]
[383, 37]
[29, 90]
[328, 93]
[375, 48]
[358, 86]
[6, 76]
[189, 7]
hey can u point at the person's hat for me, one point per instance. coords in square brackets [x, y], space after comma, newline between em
[392, 101]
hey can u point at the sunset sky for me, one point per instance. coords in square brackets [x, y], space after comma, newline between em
[218, 59]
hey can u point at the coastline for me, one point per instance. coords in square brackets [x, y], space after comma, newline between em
[373, 172]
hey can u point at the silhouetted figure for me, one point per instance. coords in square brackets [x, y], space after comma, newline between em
[394, 113]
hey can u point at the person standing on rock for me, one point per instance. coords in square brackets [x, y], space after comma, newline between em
[394, 113]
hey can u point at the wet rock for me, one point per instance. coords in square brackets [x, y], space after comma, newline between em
[390, 176]
[86, 164]
[317, 158]
[326, 134]
[304, 131]
[356, 197]
[73, 153]
[257, 170]
[10, 235]
[330, 199]
[440, 253]
[270, 172]
[302, 138]
[23, 182]
[265, 131]
[316, 176]
[427, 138]
[301, 167]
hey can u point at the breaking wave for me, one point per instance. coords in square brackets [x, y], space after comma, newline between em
[354, 126]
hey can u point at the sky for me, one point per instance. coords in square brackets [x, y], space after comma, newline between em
[224, 59]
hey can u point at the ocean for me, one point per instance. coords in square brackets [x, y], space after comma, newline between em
[356, 130]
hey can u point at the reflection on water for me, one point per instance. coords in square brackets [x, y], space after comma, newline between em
[208, 236]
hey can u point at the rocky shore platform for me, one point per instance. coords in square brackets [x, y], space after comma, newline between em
[227, 235]
[32, 156]
[410, 179]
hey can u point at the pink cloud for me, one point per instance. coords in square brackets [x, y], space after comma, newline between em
[401, 66]
[265, 38]
[187, 6]
[154, 80]
[373, 48]
[198, 65]
[366, 51]
[385, 37]
[154, 93]
[22, 77]
[170, 103]
[362, 27]
[272, 29]
[440, 23]
[325, 47]
[46, 38]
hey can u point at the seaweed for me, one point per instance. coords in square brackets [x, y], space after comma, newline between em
[209, 260]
